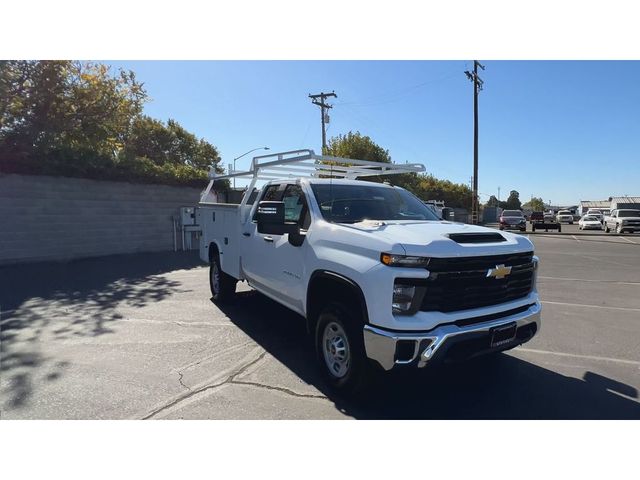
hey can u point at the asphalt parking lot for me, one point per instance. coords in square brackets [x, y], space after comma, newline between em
[137, 337]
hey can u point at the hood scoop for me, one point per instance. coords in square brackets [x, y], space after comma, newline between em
[476, 237]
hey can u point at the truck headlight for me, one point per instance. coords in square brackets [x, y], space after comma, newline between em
[404, 260]
[402, 297]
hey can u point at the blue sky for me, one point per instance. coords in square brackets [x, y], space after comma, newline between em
[561, 130]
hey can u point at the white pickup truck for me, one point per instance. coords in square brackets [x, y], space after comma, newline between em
[380, 280]
[622, 220]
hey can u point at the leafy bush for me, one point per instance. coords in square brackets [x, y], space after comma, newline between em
[78, 119]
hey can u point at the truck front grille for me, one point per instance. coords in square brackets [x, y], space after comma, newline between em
[462, 283]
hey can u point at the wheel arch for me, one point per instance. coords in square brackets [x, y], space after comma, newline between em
[325, 286]
[213, 249]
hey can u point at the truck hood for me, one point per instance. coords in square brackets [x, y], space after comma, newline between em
[431, 238]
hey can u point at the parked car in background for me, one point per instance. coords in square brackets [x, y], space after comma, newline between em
[596, 213]
[536, 217]
[564, 216]
[623, 220]
[548, 222]
[513, 220]
[589, 222]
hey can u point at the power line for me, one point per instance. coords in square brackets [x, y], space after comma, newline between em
[477, 87]
[324, 117]
[394, 95]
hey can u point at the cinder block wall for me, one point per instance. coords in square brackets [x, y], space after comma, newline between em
[57, 218]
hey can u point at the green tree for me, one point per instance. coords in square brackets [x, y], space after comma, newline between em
[492, 202]
[82, 119]
[64, 105]
[356, 145]
[513, 201]
[427, 187]
[169, 143]
[536, 204]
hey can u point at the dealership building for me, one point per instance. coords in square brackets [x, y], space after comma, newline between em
[585, 205]
[612, 204]
[625, 202]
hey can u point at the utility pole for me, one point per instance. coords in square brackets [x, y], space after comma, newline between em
[324, 107]
[477, 86]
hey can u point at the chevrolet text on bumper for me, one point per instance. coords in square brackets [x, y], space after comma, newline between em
[378, 277]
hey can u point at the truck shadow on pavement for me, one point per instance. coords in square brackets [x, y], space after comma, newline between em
[499, 387]
[53, 302]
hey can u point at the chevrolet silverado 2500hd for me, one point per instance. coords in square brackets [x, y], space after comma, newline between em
[379, 279]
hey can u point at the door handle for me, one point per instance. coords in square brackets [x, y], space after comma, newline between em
[246, 234]
[268, 239]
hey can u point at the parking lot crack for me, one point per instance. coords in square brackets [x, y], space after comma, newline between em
[180, 374]
[193, 392]
[279, 389]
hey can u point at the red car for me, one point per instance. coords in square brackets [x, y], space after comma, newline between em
[537, 217]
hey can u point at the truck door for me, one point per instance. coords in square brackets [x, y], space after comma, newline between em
[270, 262]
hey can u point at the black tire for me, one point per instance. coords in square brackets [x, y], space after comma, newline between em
[619, 229]
[533, 227]
[224, 289]
[606, 228]
[345, 325]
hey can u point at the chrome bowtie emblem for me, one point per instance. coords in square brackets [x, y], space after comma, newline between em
[500, 271]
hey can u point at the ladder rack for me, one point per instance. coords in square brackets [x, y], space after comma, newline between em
[307, 164]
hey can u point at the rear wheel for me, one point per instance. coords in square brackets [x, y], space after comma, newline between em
[223, 286]
[340, 348]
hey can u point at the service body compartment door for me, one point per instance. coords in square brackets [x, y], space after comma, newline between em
[221, 225]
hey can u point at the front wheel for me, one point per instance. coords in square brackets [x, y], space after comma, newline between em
[618, 229]
[340, 349]
[223, 286]
[606, 228]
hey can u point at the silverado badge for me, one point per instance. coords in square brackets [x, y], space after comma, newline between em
[499, 272]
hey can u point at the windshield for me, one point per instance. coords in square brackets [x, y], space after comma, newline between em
[564, 212]
[590, 219]
[355, 203]
[512, 213]
[629, 213]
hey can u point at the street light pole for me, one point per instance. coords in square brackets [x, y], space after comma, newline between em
[245, 153]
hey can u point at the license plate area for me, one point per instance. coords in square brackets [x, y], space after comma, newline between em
[503, 334]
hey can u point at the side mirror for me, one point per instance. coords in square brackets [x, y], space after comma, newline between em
[270, 218]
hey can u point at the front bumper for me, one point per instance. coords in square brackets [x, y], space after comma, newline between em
[435, 345]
